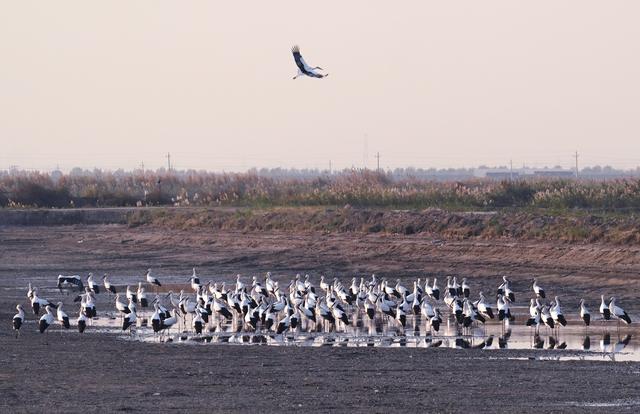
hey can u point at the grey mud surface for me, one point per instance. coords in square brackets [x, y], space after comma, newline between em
[94, 372]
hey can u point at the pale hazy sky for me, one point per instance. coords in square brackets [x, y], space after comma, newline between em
[426, 83]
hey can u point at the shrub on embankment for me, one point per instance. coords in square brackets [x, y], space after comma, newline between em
[434, 223]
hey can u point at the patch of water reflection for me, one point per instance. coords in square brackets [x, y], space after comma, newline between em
[596, 344]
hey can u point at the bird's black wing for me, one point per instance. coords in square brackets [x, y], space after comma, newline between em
[298, 59]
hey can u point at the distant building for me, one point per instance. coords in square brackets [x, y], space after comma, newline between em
[56, 175]
[506, 173]
[502, 175]
[554, 173]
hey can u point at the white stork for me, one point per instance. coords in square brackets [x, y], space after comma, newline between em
[618, 312]
[283, 325]
[556, 313]
[604, 309]
[456, 287]
[167, 323]
[37, 302]
[62, 316]
[30, 291]
[584, 313]
[121, 306]
[18, 319]
[534, 313]
[323, 284]
[46, 320]
[270, 284]
[417, 299]
[239, 284]
[156, 318]
[470, 314]
[401, 315]
[82, 321]
[142, 296]
[197, 322]
[195, 281]
[92, 284]
[269, 318]
[258, 288]
[537, 289]
[432, 291]
[132, 295]
[303, 68]
[88, 305]
[435, 320]
[221, 309]
[252, 317]
[129, 320]
[466, 291]
[427, 310]
[131, 306]
[152, 280]
[294, 320]
[504, 311]
[508, 291]
[483, 307]
[324, 312]
[107, 284]
[545, 315]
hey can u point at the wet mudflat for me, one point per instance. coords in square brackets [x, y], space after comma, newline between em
[601, 341]
[104, 370]
[97, 373]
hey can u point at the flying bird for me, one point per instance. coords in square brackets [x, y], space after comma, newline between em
[303, 68]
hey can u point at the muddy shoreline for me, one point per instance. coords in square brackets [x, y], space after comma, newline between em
[98, 372]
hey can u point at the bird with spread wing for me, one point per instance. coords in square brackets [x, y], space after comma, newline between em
[303, 68]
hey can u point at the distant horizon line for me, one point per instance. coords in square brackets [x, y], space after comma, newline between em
[164, 169]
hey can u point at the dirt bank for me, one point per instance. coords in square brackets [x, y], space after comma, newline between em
[571, 270]
[571, 226]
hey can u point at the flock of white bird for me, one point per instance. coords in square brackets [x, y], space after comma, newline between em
[302, 306]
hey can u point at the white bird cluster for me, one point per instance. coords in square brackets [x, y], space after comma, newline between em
[551, 315]
[265, 307]
[87, 310]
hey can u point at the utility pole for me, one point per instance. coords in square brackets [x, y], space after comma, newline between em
[378, 158]
[168, 161]
[329, 167]
[576, 155]
[510, 170]
[142, 166]
[365, 154]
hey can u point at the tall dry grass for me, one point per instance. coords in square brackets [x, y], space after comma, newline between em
[357, 188]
